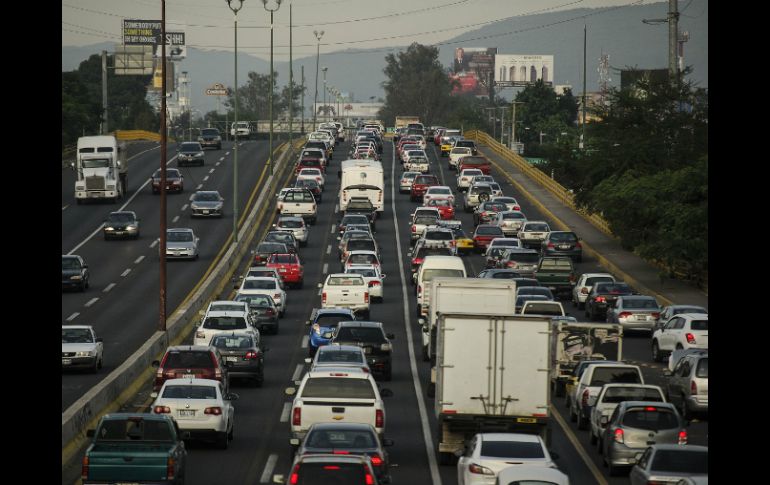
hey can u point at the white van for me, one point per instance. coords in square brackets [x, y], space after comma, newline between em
[362, 178]
[432, 267]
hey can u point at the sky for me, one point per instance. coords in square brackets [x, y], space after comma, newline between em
[360, 24]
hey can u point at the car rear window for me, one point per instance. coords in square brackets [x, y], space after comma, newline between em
[360, 245]
[699, 325]
[439, 235]
[355, 219]
[556, 264]
[190, 392]
[535, 290]
[333, 472]
[613, 288]
[511, 449]
[544, 308]
[606, 375]
[224, 323]
[365, 272]
[362, 259]
[425, 180]
[256, 300]
[338, 387]
[133, 429]
[197, 359]
[299, 197]
[513, 215]
[259, 285]
[489, 231]
[429, 274]
[282, 259]
[524, 257]
[536, 227]
[291, 224]
[681, 461]
[422, 252]
[703, 369]
[650, 418]
[332, 320]
[345, 281]
[327, 356]
[232, 342]
[640, 304]
[620, 394]
[341, 438]
[360, 334]
[431, 219]
[270, 247]
[598, 279]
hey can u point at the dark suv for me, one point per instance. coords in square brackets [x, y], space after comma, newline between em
[562, 243]
[198, 361]
[603, 296]
[210, 137]
[375, 342]
[74, 272]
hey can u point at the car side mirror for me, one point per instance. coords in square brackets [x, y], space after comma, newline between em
[156, 363]
[386, 393]
[604, 420]
[154, 395]
[232, 397]
[91, 433]
[391, 336]
[85, 266]
[99, 339]
[290, 391]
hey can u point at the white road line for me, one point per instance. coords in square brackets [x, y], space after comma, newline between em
[154, 243]
[329, 249]
[65, 207]
[73, 316]
[125, 273]
[184, 207]
[200, 186]
[91, 302]
[320, 290]
[212, 170]
[205, 178]
[138, 260]
[191, 197]
[297, 372]
[304, 341]
[175, 219]
[326, 268]
[138, 191]
[589, 463]
[108, 288]
[217, 164]
[336, 208]
[269, 467]
[333, 228]
[434, 475]
[285, 412]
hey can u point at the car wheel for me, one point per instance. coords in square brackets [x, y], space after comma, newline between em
[231, 433]
[94, 367]
[425, 354]
[656, 357]
[599, 445]
[581, 306]
[559, 389]
[388, 375]
[613, 470]
[684, 410]
[222, 441]
[572, 415]
[101, 362]
[582, 422]
[445, 459]
[592, 438]
[82, 287]
[259, 380]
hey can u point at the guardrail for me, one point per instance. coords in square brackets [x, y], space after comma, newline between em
[129, 135]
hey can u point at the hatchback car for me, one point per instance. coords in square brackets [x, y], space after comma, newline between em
[181, 243]
[487, 454]
[202, 409]
[372, 338]
[510, 221]
[635, 425]
[218, 321]
[672, 464]
[189, 362]
[684, 331]
[243, 355]
[81, 348]
[122, 224]
[562, 243]
[634, 312]
[486, 212]
[74, 272]
[420, 186]
[174, 181]
[669, 311]
[190, 153]
[445, 208]
[207, 203]
[688, 384]
[322, 323]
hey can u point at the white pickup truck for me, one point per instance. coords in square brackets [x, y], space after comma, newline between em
[345, 290]
[337, 394]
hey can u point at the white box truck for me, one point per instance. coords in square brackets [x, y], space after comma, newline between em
[460, 295]
[362, 178]
[491, 376]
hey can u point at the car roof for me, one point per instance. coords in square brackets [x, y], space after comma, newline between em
[182, 348]
[635, 404]
[333, 425]
[76, 327]
[225, 313]
[669, 447]
[179, 229]
[259, 278]
[340, 348]
[694, 316]
[361, 324]
[349, 373]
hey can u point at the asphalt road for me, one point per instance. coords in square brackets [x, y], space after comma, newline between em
[122, 303]
[261, 448]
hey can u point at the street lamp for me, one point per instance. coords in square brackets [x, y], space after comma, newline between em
[231, 5]
[318, 36]
[324, 69]
[278, 5]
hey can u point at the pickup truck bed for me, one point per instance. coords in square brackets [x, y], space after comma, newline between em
[558, 274]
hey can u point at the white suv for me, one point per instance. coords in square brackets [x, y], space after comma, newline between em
[224, 321]
[683, 331]
[464, 178]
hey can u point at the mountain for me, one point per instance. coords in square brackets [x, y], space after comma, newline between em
[618, 32]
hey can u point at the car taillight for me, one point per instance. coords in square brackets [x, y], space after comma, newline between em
[376, 460]
[170, 468]
[414, 228]
[600, 299]
[578, 245]
[683, 437]
[655, 315]
[366, 297]
[479, 470]
[619, 435]
[550, 245]
[693, 388]
[572, 278]
[624, 314]
[374, 283]
[84, 468]
[161, 410]
[269, 312]
[296, 417]
[323, 297]
[379, 419]
[584, 398]
[368, 479]
[340, 452]
[690, 338]
[251, 355]
[294, 475]
[214, 410]
[516, 208]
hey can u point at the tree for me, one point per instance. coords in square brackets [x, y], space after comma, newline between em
[544, 111]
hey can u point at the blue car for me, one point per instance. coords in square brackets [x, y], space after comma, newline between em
[322, 323]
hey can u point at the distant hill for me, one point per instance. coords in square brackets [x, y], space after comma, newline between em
[618, 32]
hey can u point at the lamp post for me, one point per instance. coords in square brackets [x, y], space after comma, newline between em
[324, 69]
[318, 36]
[231, 5]
[270, 156]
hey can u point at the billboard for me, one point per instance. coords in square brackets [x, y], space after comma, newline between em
[173, 52]
[523, 69]
[472, 68]
[147, 32]
[133, 60]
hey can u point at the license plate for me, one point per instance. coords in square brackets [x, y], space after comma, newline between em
[96, 194]
[564, 246]
[367, 350]
[281, 270]
[205, 211]
[186, 413]
[188, 376]
[231, 359]
[66, 361]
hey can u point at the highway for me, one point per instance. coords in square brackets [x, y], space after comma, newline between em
[122, 302]
[261, 447]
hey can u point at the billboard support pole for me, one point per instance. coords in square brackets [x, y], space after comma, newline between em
[583, 132]
[105, 115]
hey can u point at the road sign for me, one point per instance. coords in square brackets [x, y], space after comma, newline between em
[217, 90]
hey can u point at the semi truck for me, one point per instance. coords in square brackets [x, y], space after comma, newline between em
[102, 169]
[491, 376]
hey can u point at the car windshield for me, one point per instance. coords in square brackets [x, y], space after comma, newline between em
[619, 394]
[681, 461]
[360, 334]
[259, 285]
[193, 359]
[179, 236]
[120, 217]
[232, 342]
[224, 323]
[70, 263]
[190, 392]
[511, 449]
[209, 132]
[699, 325]
[341, 439]
[338, 388]
[640, 304]
[206, 196]
[76, 336]
[650, 418]
[95, 163]
[256, 300]
[429, 274]
[606, 375]
[703, 369]
[190, 147]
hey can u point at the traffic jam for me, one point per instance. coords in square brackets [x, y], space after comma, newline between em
[520, 349]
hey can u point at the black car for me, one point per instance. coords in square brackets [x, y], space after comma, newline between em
[190, 153]
[74, 272]
[242, 355]
[352, 219]
[210, 137]
[603, 296]
[562, 243]
[535, 290]
[375, 342]
[286, 237]
[263, 311]
[121, 224]
[265, 249]
[349, 439]
[498, 273]
[312, 186]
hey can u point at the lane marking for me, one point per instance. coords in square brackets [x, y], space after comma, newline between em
[65, 207]
[200, 186]
[212, 170]
[305, 340]
[205, 178]
[297, 372]
[336, 208]
[191, 197]
[326, 268]
[285, 412]
[125, 273]
[108, 288]
[73, 316]
[91, 302]
[329, 249]
[332, 231]
[138, 260]
[578, 447]
[269, 467]
[184, 207]
[434, 475]
[138, 191]
[217, 164]
[175, 219]
[154, 243]
[320, 290]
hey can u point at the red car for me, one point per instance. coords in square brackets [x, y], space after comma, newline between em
[437, 136]
[199, 361]
[288, 266]
[174, 181]
[445, 208]
[421, 184]
[484, 235]
[480, 163]
[309, 162]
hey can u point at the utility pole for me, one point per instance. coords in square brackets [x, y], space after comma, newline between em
[303, 100]
[502, 122]
[105, 115]
[291, 82]
[583, 132]
[163, 145]
[318, 36]
[513, 122]
[673, 29]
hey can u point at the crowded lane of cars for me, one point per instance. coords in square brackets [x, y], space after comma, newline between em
[339, 418]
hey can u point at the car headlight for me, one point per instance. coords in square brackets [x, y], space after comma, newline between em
[111, 187]
[85, 353]
[132, 227]
[76, 277]
[199, 154]
[109, 228]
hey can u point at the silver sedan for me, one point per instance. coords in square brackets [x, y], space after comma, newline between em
[181, 243]
[634, 312]
[207, 203]
[81, 348]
